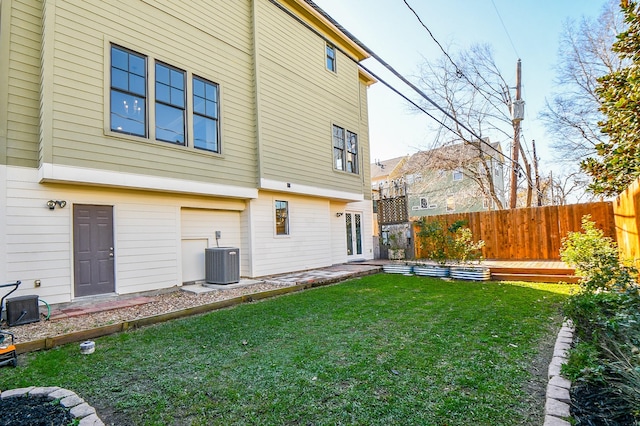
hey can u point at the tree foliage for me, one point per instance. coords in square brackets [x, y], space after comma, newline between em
[470, 86]
[585, 54]
[617, 163]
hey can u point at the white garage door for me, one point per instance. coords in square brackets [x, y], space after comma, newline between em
[199, 228]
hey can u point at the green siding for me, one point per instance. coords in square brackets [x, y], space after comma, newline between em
[300, 101]
[214, 43]
[23, 84]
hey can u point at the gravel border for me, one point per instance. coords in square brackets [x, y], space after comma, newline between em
[79, 409]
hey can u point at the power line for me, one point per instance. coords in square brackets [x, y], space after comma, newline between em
[459, 72]
[388, 67]
[504, 27]
[372, 54]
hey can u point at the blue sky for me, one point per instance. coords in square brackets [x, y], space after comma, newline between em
[390, 29]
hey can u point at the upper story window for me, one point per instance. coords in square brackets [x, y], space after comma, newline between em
[331, 58]
[170, 104]
[131, 93]
[205, 115]
[128, 92]
[345, 150]
[457, 175]
[282, 217]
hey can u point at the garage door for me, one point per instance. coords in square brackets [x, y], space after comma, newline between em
[199, 228]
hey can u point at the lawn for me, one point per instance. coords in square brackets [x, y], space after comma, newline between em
[379, 350]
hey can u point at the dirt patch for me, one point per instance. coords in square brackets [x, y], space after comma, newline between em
[536, 388]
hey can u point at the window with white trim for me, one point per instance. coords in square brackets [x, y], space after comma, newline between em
[345, 150]
[488, 203]
[331, 58]
[282, 217]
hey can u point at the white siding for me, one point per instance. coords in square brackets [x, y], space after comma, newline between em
[199, 227]
[146, 251]
[147, 234]
[308, 244]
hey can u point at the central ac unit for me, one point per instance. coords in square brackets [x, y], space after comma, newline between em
[222, 265]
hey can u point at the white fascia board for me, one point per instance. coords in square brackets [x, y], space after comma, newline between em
[294, 188]
[68, 174]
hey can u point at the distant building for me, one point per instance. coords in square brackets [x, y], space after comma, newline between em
[461, 177]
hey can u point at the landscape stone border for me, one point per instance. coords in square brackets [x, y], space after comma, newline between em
[79, 409]
[557, 406]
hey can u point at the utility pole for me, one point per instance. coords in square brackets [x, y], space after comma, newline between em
[535, 169]
[517, 114]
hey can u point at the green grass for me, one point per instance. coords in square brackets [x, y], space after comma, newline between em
[380, 350]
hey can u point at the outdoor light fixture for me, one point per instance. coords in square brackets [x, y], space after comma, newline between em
[52, 204]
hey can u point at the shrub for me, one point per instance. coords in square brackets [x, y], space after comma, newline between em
[454, 242]
[596, 259]
[606, 314]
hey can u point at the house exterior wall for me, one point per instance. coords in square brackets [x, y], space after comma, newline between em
[148, 231]
[437, 187]
[76, 79]
[20, 78]
[168, 200]
[316, 233]
[299, 101]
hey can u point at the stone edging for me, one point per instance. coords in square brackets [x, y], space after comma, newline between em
[68, 399]
[556, 410]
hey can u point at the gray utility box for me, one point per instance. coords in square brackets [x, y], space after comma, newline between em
[22, 310]
[222, 265]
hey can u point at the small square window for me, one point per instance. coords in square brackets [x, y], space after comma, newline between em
[331, 58]
[282, 217]
[457, 175]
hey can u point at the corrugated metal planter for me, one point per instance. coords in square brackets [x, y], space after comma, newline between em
[431, 270]
[473, 273]
[397, 269]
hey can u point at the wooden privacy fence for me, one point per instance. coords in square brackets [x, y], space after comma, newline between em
[626, 209]
[534, 233]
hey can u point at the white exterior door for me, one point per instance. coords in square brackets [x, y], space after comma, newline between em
[353, 222]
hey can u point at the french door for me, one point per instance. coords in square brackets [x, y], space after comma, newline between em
[353, 222]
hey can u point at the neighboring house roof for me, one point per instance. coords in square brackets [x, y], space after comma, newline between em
[383, 169]
[458, 153]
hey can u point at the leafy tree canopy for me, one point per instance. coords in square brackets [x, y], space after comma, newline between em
[618, 160]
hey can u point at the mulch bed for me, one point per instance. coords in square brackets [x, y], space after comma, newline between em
[33, 411]
[593, 405]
